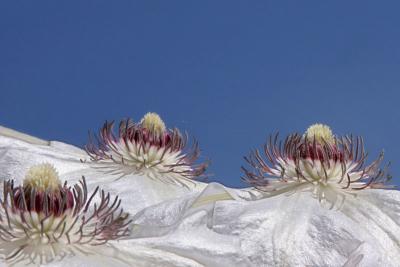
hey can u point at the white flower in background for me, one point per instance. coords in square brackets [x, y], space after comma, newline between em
[43, 220]
[329, 166]
[146, 148]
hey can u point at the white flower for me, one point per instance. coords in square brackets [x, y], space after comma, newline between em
[331, 167]
[43, 220]
[146, 148]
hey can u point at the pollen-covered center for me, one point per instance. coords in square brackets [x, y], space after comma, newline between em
[321, 133]
[152, 122]
[42, 177]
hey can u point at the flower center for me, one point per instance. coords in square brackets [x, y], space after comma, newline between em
[42, 192]
[42, 177]
[151, 130]
[318, 143]
[321, 133]
[152, 122]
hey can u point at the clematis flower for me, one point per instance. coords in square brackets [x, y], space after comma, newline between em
[146, 148]
[331, 167]
[212, 225]
[43, 220]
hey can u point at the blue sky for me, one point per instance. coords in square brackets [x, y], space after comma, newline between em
[228, 72]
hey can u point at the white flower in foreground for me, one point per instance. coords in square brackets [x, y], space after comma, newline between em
[146, 148]
[44, 220]
[329, 166]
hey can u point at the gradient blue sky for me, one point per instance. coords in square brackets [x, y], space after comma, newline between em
[228, 72]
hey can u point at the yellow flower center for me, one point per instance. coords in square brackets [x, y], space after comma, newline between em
[42, 177]
[153, 122]
[321, 133]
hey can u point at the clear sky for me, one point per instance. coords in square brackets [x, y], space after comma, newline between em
[228, 72]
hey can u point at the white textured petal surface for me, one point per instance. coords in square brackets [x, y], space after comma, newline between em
[210, 225]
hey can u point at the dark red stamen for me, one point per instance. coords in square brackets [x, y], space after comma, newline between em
[49, 203]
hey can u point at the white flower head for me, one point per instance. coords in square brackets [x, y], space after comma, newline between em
[44, 220]
[146, 148]
[329, 166]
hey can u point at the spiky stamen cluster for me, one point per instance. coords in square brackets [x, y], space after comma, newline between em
[330, 168]
[146, 148]
[35, 221]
